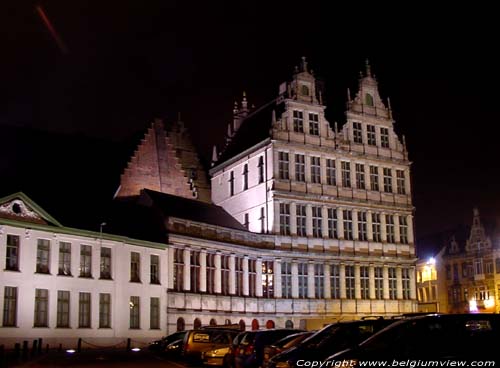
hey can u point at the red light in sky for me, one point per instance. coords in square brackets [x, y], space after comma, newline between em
[52, 30]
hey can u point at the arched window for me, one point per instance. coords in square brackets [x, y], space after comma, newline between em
[288, 324]
[227, 321]
[369, 99]
[181, 325]
[197, 324]
[213, 322]
[242, 325]
[304, 90]
[269, 324]
[255, 324]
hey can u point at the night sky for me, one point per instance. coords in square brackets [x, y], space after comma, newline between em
[71, 111]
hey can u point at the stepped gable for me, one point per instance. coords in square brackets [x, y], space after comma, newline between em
[155, 165]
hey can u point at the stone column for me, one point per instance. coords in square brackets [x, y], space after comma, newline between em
[399, 283]
[355, 227]
[295, 279]
[340, 223]
[357, 281]
[171, 268]
[409, 220]
[293, 218]
[217, 278]
[309, 225]
[371, 281]
[343, 293]
[277, 278]
[245, 276]
[369, 226]
[203, 270]
[385, 274]
[383, 228]
[187, 268]
[310, 280]
[258, 277]
[397, 234]
[232, 274]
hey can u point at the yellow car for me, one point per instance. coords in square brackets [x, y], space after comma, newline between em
[216, 357]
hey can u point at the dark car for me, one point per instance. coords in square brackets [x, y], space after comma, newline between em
[431, 337]
[161, 344]
[284, 344]
[329, 340]
[250, 351]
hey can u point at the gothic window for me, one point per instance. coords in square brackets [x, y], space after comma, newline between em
[298, 121]
[357, 132]
[360, 176]
[313, 124]
[304, 90]
[284, 219]
[283, 165]
[300, 168]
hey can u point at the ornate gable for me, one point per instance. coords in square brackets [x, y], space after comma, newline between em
[19, 207]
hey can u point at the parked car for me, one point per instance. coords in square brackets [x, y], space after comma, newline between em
[222, 356]
[161, 344]
[329, 340]
[431, 337]
[197, 341]
[283, 345]
[250, 351]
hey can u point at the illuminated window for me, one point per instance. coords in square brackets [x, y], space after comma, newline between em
[298, 121]
[62, 308]
[64, 259]
[135, 310]
[347, 224]
[346, 174]
[179, 270]
[284, 219]
[302, 279]
[283, 165]
[349, 282]
[357, 132]
[105, 265]
[300, 168]
[362, 235]
[267, 279]
[376, 225]
[387, 180]
[400, 182]
[364, 282]
[335, 281]
[41, 308]
[379, 283]
[384, 137]
[316, 222]
[154, 269]
[135, 267]
[478, 266]
[85, 261]
[371, 135]
[42, 256]
[331, 172]
[104, 310]
[360, 176]
[315, 170]
[301, 219]
[286, 280]
[154, 313]
[319, 281]
[313, 124]
[374, 178]
[10, 307]
[195, 271]
[12, 255]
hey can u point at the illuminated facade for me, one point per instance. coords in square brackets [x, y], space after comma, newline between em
[471, 272]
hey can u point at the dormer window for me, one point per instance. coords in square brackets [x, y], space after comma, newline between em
[368, 99]
[304, 90]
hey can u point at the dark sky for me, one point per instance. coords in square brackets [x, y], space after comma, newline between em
[126, 62]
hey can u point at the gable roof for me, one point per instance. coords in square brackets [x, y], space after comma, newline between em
[29, 210]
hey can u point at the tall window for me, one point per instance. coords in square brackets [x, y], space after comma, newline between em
[374, 178]
[261, 169]
[316, 222]
[195, 271]
[267, 279]
[331, 176]
[370, 132]
[360, 176]
[179, 270]
[392, 283]
[298, 121]
[389, 221]
[300, 168]
[349, 282]
[104, 310]
[400, 181]
[405, 278]
[387, 180]
[12, 256]
[379, 283]
[10, 307]
[231, 183]
[224, 273]
[84, 310]
[283, 165]
[64, 259]
[301, 219]
[245, 177]
[252, 276]
[135, 267]
[332, 223]
[384, 137]
[335, 281]
[42, 256]
[238, 285]
[376, 227]
[403, 230]
[105, 265]
[364, 282]
[346, 174]
[347, 224]
[362, 234]
[369, 99]
[302, 280]
[63, 308]
[210, 273]
[154, 269]
[154, 313]
[284, 219]
[41, 308]
[357, 132]
[85, 261]
[286, 280]
[315, 170]
[319, 281]
[135, 310]
[313, 124]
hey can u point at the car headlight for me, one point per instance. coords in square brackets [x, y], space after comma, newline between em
[283, 365]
